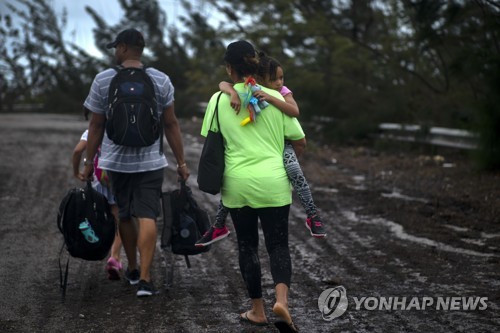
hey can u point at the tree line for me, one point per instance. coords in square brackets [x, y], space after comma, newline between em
[357, 62]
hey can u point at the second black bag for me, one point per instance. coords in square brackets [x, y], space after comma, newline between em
[212, 164]
[188, 222]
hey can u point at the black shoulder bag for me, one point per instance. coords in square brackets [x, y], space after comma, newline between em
[211, 166]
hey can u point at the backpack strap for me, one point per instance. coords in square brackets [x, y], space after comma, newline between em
[63, 281]
[186, 259]
[61, 212]
[162, 134]
[185, 193]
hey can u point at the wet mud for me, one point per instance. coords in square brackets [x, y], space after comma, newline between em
[399, 225]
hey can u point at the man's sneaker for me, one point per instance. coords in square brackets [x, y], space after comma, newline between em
[132, 276]
[315, 226]
[113, 267]
[146, 289]
[212, 235]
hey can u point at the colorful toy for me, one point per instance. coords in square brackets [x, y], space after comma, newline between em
[254, 105]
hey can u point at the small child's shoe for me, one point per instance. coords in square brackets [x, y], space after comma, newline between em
[315, 226]
[113, 267]
[212, 235]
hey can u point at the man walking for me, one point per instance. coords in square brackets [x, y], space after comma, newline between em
[135, 168]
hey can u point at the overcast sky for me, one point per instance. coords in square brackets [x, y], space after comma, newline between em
[80, 24]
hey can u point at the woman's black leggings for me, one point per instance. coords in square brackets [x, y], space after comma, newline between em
[274, 222]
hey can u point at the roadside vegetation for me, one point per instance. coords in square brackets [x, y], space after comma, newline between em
[359, 63]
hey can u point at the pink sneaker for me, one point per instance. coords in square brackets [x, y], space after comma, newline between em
[113, 267]
[212, 235]
[315, 226]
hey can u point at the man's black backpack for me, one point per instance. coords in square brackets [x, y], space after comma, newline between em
[185, 222]
[132, 119]
[87, 224]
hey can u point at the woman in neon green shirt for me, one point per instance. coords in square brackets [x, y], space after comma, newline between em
[255, 185]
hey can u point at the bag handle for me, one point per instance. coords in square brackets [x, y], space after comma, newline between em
[216, 113]
[90, 191]
[89, 188]
[182, 194]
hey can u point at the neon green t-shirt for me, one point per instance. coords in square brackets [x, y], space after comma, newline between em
[254, 175]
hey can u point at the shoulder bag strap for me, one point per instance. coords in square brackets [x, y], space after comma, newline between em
[216, 113]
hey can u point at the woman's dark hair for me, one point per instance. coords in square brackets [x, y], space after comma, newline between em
[267, 67]
[242, 57]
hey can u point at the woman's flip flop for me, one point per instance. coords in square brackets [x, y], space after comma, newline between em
[244, 318]
[285, 327]
[285, 324]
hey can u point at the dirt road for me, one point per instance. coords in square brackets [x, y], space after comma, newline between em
[404, 226]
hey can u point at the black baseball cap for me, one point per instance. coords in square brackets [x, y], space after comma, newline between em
[237, 51]
[129, 37]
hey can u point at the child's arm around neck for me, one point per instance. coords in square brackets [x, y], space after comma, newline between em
[227, 88]
[288, 106]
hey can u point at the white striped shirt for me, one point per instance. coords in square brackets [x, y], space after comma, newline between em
[122, 158]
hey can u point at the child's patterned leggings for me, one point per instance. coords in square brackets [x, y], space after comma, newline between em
[297, 179]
